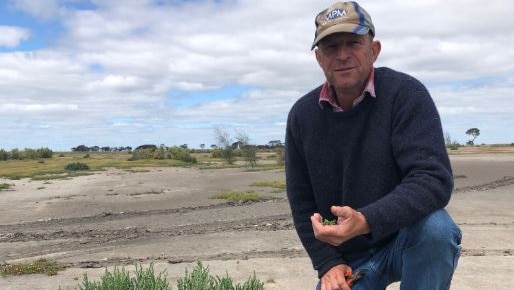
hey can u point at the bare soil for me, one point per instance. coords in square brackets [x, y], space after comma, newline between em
[168, 215]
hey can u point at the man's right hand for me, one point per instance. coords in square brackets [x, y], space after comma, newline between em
[335, 278]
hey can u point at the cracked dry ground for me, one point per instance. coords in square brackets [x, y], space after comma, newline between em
[168, 215]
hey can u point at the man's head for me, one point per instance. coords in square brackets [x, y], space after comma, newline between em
[343, 17]
[346, 49]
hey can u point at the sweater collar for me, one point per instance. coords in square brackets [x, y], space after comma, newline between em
[327, 93]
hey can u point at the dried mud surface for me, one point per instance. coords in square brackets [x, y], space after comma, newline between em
[119, 217]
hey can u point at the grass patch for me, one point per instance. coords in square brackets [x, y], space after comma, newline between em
[27, 168]
[41, 266]
[5, 186]
[278, 184]
[18, 169]
[147, 279]
[239, 196]
[76, 166]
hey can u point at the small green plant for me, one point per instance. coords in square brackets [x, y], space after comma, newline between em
[76, 166]
[41, 266]
[239, 196]
[120, 279]
[327, 222]
[199, 278]
[4, 186]
[279, 184]
[146, 279]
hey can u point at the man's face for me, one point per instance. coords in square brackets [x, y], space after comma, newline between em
[347, 60]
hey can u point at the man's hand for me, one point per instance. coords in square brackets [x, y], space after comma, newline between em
[335, 278]
[350, 224]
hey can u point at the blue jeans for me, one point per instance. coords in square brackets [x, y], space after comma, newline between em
[423, 257]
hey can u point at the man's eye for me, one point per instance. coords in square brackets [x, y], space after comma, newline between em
[330, 47]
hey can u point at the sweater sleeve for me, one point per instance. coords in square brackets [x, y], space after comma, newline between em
[302, 202]
[420, 154]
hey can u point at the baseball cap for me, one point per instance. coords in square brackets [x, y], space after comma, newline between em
[342, 17]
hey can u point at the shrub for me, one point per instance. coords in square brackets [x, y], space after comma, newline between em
[146, 279]
[181, 154]
[142, 154]
[76, 166]
[44, 153]
[160, 153]
[16, 154]
[199, 278]
[4, 155]
[121, 279]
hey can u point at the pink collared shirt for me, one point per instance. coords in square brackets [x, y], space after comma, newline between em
[327, 94]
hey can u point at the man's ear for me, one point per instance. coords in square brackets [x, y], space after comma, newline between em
[376, 47]
[318, 56]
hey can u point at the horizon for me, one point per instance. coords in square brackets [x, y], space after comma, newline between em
[101, 73]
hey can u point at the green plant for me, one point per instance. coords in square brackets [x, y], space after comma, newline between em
[238, 196]
[41, 266]
[146, 279]
[76, 166]
[199, 279]
[279, 184]
[120, 279]
[327, 222]
[4, 186]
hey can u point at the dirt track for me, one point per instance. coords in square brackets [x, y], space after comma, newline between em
[121, 217]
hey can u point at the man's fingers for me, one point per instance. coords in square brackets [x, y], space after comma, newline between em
[342, 211]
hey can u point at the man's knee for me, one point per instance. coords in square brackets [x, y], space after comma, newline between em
[436, 228]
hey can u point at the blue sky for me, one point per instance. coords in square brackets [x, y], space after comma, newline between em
[126, 73]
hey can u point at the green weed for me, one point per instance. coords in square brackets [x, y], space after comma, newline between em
[4, 186]
[278, 184]
[146, 279]
[199, 279]
[41, 266]
[120, 279]
[76, 166]
[239, 196]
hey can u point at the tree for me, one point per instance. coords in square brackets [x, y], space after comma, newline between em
[224, 143]
[249, 151]
[473, 132]
[80, 148]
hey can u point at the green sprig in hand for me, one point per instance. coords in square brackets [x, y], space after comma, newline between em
[327, 222]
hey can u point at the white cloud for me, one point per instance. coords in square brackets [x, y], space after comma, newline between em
[122, 60]
[11, 36]
[43, 9]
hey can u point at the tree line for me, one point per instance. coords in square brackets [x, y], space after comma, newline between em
[27, 153]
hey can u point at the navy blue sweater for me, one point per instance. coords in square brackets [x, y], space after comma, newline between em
[385, 158]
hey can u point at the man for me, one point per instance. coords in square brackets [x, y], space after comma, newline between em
[366, 149]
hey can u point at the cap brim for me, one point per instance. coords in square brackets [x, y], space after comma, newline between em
[343, 27]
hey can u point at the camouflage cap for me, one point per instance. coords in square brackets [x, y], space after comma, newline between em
[342, 17]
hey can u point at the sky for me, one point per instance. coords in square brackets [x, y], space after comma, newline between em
[132, 72]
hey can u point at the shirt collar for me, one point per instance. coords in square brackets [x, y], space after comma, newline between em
[327, 93]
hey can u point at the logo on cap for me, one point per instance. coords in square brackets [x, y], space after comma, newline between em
[334, 14]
